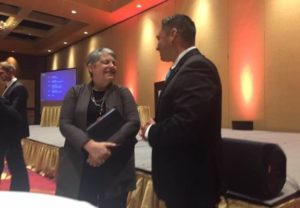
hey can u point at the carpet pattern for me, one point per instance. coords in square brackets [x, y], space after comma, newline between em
[38, 183]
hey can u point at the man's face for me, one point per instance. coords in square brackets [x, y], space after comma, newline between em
[164, 45]
[5, 76]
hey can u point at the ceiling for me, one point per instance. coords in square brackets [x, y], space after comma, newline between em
[36, 26]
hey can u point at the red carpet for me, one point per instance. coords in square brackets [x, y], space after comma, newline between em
[38, 183]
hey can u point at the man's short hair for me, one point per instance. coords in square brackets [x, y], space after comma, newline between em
[5, 66]
[184, 24]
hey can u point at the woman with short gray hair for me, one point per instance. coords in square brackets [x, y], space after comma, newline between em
[100, 172]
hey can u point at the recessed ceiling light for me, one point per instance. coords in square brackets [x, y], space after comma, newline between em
[139, 6]
[49, 51]
[65, 43]
[74, 12]
[2, 25]
[85, 32]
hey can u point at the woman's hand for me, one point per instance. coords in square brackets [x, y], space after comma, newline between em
[99, 152]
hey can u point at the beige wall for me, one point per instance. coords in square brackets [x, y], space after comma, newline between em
[253, 43]
[282, 52]
[246, 61]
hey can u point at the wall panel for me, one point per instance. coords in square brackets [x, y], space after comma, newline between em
[282, 65]
[253, 43]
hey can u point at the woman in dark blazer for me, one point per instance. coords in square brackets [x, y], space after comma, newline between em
[99, 172]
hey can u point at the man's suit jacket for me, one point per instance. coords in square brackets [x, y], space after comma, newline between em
[10, 121]
[186, 139]
[17, 96]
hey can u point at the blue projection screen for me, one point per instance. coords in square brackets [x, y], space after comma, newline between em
[55, 84]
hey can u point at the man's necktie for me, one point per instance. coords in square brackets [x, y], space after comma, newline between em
[170, 72]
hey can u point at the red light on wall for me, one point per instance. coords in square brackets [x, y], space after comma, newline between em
[130, 78]
[247, 84]
[130, 83]
[246, 60]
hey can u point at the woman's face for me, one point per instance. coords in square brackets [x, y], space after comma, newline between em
[103, 71]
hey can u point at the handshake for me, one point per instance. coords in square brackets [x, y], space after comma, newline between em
[144, 129]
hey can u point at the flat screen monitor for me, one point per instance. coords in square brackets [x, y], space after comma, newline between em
[55, 84]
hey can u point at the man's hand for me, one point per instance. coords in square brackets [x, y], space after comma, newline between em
[99, 152]
[144, 127]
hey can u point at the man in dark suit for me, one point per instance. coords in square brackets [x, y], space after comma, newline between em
[186, 134]
[10, 121]
[16, 96]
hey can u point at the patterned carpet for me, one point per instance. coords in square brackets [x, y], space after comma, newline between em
[38, 183]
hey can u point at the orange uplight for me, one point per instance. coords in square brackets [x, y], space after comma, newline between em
[130, 78]
[246, 60]
[247, 85]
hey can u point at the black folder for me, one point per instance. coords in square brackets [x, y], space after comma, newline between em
[104, 127]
